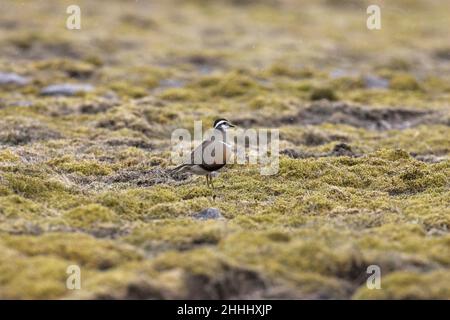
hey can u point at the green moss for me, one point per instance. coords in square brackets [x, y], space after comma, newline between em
[178, 234]
[73, 68]
[303, 86]
[34, 278]
[15, 206]
[192, 192]
[179, 94]
[416, 179]
[78, 249]
[8, 156]
[137, 203]
[347, 83]
[232, 85]
[83, 167]
[409, 177]
[125, 89]
[177, 209]
[198, 262]
[280, 69]
[297, 256]
[32, 187]
[404, 82]
[436, 84]
[398, 64]
[260, 102]
[410, 285]
[4, 191]
[437, 221]
[310, 285]
[89, 216]
[76, 170]
[323, 93]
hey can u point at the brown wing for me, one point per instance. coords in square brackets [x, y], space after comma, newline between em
[207, 166]
[199, 150]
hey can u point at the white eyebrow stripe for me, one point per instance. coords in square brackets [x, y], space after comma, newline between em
[220, 123]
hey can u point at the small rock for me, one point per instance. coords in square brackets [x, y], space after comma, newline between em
[13, 78]
[374, 82]
[428, 158]
[67, 89]
[209, 213]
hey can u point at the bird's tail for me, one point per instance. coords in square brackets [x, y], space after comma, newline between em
[179, 168]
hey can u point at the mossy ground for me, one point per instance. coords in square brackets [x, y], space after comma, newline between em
[83, 179]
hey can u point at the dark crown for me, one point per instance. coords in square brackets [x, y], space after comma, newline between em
[219, 120]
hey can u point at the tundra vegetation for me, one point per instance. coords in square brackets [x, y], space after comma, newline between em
[364, 120]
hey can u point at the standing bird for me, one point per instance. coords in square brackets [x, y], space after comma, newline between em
[210, 161]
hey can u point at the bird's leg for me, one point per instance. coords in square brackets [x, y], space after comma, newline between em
[207, 181]
[211, 180]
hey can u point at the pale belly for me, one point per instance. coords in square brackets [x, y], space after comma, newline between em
[196, 169]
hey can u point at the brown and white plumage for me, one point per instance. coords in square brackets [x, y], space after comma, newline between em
[208, 168]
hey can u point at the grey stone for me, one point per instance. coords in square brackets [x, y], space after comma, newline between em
[66, 89]
[13, 78]
[209, 213]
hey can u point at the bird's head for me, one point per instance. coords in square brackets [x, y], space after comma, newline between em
[222, 124]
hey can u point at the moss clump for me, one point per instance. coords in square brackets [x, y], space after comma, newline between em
[310, 285]
[181, 234]
[83, 167]
[299, 255]
[261, 102]
[437, 221]
[32, 278]
[15, 206]
[8, 156]
[128, 90]
[193, 192]
[137, 203]
[409, 176]
[323, 93]
[176, 209]
[179, 94]
[73, 68]
[404, 82]
[348, 83]
[398, 64]
[213, 271]
[90, 216]
[410, 285]
[233, 84]
[4, 191]
[283, 70]
[79, 249]
[417, 178]
[32, 187]
[392, 155]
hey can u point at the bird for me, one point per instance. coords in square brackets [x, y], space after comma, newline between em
[208, 166]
